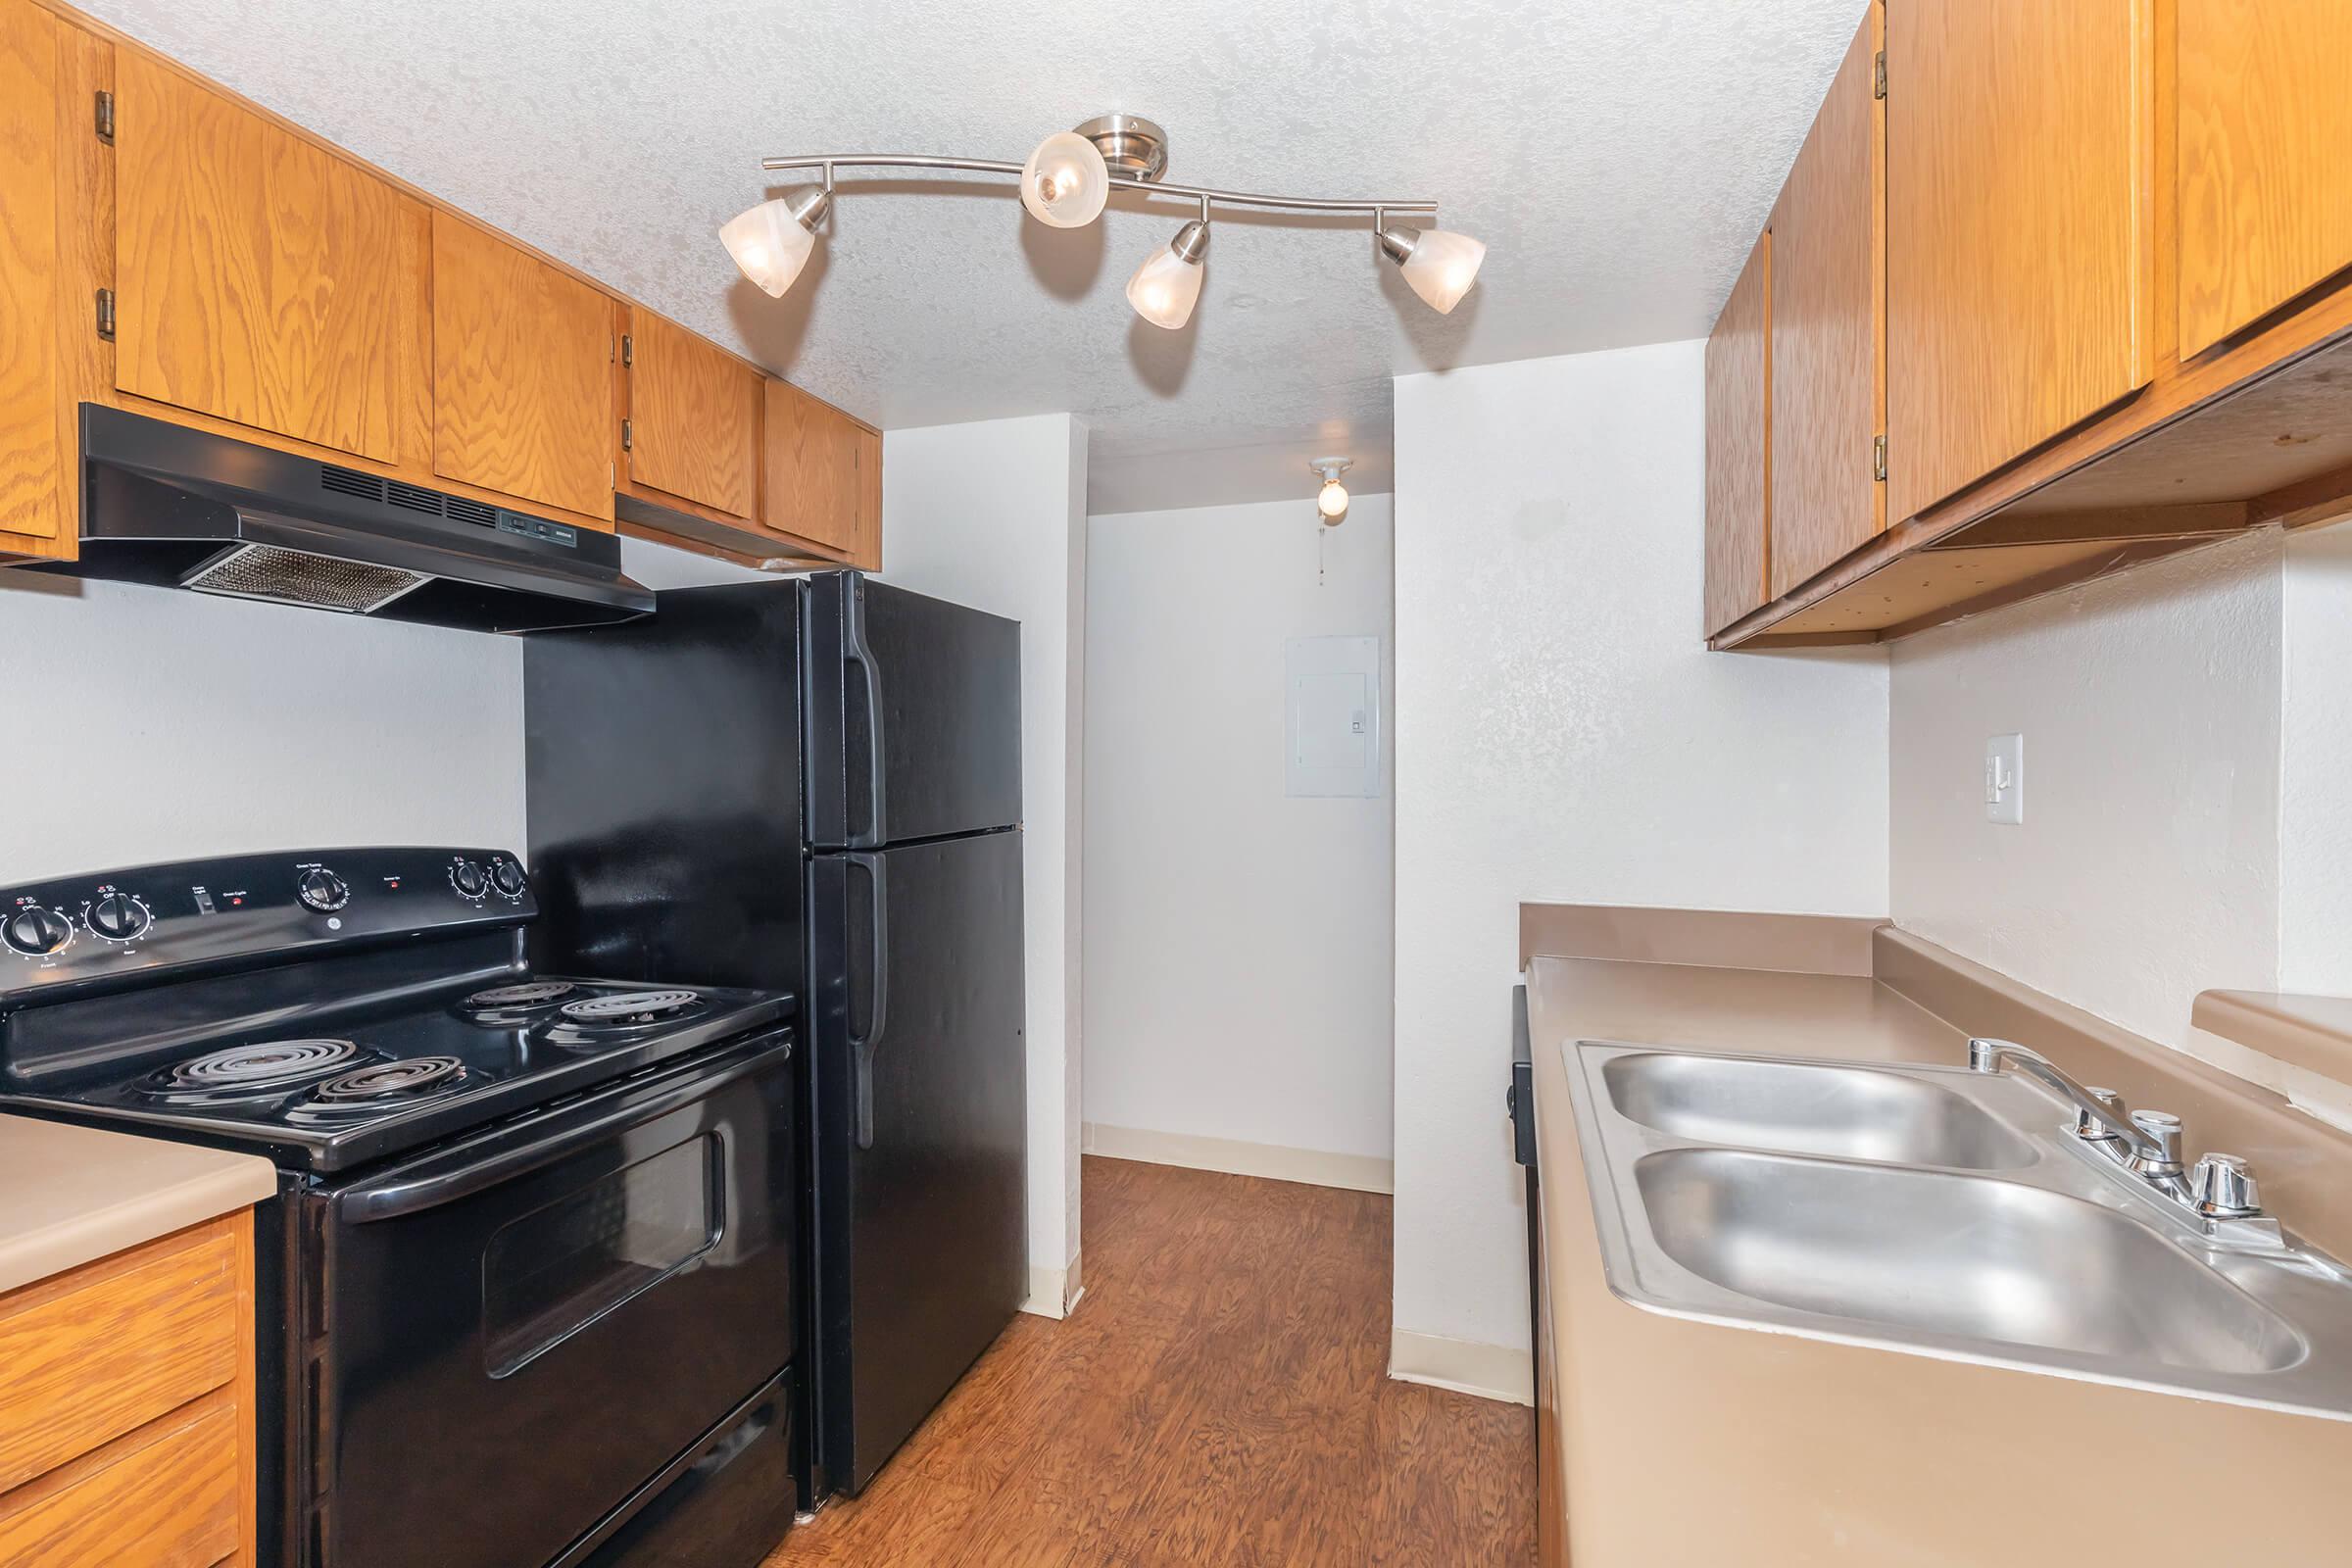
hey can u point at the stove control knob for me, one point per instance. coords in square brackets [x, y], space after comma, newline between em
[118, 917]
[37, 932]
[467, 877]
[322, 890]
[506, 877]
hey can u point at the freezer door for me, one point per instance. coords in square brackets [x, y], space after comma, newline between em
[914, 715]
[920, 1111]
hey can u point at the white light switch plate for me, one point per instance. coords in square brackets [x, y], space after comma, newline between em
[2005, 779]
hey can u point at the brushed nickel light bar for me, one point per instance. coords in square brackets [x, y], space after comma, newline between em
[1065, 184]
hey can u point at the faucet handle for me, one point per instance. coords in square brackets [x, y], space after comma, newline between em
[2162, 1129]
[2224, 1188]
[2088, 1127]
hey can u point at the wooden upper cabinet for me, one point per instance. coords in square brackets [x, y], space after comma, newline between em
[1827, 295]
[522, 373]
[2017, 229]
[33, 461]
[260, 279]
[694, 417]
[1739, 400]
[2264, 127]
[825, 476]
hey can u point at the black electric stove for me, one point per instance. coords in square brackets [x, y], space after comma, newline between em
[512, 1203]
[339, 1081]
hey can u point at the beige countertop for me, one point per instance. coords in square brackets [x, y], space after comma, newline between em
[1671, 1442]
[72, 1195]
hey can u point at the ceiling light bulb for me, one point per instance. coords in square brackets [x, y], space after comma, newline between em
[1167, 287]
[1440, 266]
[1330, 501]
[1065, 181]
[772, 241]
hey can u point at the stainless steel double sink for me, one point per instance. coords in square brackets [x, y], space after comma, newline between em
[1940, 1212]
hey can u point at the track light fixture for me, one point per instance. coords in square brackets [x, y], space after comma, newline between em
[1440, 266]
[1330, 501]
[1066, 183]
[771, 241]
[1167, 287]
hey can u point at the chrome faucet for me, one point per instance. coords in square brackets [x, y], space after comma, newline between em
[2145, 1142]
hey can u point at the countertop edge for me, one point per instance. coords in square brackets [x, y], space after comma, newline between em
[214, 1182]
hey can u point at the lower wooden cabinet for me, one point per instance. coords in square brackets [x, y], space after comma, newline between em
[126, 1414]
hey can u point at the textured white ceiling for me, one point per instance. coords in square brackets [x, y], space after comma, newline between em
[1618, 157]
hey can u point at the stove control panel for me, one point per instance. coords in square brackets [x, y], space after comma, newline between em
[77, 931]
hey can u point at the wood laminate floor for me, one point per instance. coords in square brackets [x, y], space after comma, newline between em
[1219, 1396]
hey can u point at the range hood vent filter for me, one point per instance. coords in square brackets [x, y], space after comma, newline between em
[299, 578]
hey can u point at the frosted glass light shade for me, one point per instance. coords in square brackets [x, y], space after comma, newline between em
[1165, 288]
[769, 243]
[1443, 267]
[1065, 181]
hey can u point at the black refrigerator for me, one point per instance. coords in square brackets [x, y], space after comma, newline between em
[814, 784]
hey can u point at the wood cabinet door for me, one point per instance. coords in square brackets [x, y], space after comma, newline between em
[2016, 229]
[522, 373]
[2265, 158]
[1740, 443]
[825, 476]
[258, 277]
[1827, 295]
[694, 417]
[32, 439]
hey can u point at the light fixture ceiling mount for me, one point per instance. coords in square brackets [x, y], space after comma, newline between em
[1066, 183]
[1130, 144]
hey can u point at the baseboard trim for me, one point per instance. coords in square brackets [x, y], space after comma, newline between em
[1490, 1371]
[1360, 1173]
[1054, 1292]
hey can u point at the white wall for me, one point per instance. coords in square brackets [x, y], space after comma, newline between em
[147, 724]
[2148, 867]
[2314, 794]
[1562, 734]
[1237, 942]
[992, 515]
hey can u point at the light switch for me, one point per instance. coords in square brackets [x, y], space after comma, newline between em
[2005, 779]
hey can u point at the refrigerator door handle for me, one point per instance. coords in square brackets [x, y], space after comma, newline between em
[861, 1046]
[857, 651]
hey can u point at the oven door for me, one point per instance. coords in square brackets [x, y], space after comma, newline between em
[516, 1332]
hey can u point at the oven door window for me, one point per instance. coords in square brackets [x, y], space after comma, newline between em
[550, 1274]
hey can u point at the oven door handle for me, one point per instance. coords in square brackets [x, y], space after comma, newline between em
[462, 1173]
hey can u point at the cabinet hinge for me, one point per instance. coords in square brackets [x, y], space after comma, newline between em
[629, 436]
[1878, 75]
[105, 314]
[105, 115]
[1878, 458]
[629, 349]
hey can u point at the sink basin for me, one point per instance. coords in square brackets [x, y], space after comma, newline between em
[1937, 1211]
[1945, 1254]
[1810, 1109]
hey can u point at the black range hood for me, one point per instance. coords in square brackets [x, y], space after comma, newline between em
[172, 507]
